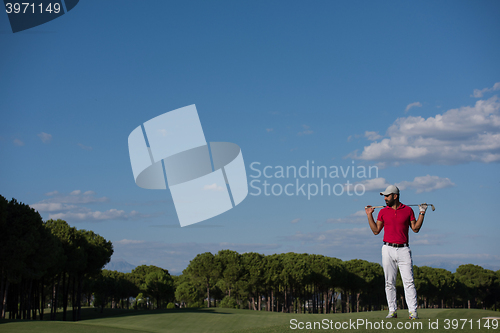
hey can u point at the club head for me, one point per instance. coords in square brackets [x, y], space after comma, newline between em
[433, 208]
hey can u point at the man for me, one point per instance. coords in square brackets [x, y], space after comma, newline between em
[397, 218]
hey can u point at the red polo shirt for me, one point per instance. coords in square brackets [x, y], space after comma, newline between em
[396, 223]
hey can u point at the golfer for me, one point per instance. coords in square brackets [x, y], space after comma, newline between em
[397, 218]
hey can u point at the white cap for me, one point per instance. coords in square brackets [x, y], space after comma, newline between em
[390, 189]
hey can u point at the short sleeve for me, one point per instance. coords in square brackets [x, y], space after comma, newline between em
[380, 216]
[412, 215]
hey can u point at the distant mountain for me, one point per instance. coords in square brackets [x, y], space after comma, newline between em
[119, 265]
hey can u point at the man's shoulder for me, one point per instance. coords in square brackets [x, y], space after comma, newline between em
[404, 207]
[385, 210]
[408, 210]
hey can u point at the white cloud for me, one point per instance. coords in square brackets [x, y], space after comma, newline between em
[75, 197]
[295, 221]
[421, 184]
[84, 147]
[470, 133]
[88, 215]
[269, 130]
[128, 241]
[135, 213]
[213, 187]
[69, 207]
[18, 142]
[426, 184]
[412, 105]
[51, 206]
[307, 130]
[479, 93]
[359, 213]
[374, 184]
[45, 137]
[356, 218]
[64, 202]
[372, 136]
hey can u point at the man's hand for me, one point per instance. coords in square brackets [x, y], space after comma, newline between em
[422, 207]
[375, 226]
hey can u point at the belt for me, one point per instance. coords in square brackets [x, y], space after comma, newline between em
[396, 245]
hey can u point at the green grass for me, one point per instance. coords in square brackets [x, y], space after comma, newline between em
[236, 321]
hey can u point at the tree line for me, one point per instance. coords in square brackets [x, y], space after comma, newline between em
[45, 263]
[311, 283]
[150, 287]
[50, 265]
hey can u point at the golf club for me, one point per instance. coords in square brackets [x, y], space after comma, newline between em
[432, 206]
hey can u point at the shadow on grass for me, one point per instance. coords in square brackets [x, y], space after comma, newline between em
[88, 313]
[125, 313]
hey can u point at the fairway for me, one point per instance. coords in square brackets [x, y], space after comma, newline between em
[246, 321]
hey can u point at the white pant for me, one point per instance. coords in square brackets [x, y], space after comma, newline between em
[392, 257]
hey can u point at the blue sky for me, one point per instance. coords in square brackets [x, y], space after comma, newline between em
[408, 87]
